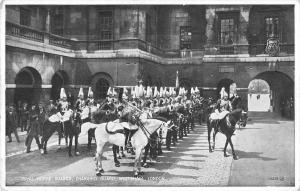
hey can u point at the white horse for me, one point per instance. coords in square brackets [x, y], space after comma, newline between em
[111, 132]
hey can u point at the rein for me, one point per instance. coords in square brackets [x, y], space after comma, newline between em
[146, 132]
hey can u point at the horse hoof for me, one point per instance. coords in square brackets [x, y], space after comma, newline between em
[141, 173]
[226, 155]
[117, 164]
[136, 175]
[98, 173]
[119, 157]
[77, 153]
[42, 151]
[235, 157]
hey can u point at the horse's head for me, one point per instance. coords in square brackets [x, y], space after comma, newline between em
[236, 102]
[164, 128]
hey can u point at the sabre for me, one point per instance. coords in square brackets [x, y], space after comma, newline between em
[133, 106]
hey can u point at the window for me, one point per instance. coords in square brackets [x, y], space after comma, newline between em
[57, 23]
[25, 16]
[185, 37]
[106, 25]
[272, 27]
[228, 27]
[148, 28]
[227, 33]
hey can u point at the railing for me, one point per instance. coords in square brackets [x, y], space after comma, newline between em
[227, 49]
[60, 41]
[24, 32]
[134, 43]
[285, 48]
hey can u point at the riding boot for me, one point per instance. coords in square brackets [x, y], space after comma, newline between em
[126, 138]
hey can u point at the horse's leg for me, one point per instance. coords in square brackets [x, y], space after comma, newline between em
[115, 150]
[185, 126]
[122, 152]
[99, 153]
[208, 135]
[118, 152]
[76, 145]
[137, 162]
[70, 144]
[214, 138]
[145, 164]
[90, 137]
[225, 147]
[231, 145]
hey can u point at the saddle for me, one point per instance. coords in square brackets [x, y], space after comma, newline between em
[219, 116]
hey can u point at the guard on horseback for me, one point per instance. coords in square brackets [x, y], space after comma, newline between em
[63, 107]
[80, 102]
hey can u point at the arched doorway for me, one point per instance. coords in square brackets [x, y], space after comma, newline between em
[60, 79]
[100, 84]
[28, 86]
[259, 97]
[281, 91]
[228, 84]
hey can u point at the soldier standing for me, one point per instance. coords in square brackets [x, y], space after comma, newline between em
[33, 131]
[11, 123]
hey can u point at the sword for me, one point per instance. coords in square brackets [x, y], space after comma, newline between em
[133, 106]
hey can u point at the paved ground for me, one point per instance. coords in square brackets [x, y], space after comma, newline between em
[265, 149]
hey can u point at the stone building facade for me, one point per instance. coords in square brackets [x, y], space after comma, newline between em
[49, 47]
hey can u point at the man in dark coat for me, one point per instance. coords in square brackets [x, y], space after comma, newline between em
[33, 131]
[11, 123]
[24, 117]
[42, 117]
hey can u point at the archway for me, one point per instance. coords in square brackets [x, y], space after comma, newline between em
[28, 86]
[259, 97]
[228, 84]
[60, 79]
[100, 84]
[281, 91]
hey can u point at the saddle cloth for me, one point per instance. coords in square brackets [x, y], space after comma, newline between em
[60, 118]
[219, 116]
[85, 113]
[116, 125]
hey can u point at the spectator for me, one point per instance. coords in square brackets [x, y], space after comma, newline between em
[11, 123]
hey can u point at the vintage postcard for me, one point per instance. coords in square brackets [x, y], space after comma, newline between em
[158, 95]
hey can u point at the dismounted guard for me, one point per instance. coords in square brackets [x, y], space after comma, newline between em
[34, 130]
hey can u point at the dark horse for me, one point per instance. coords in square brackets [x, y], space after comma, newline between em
[71, 129]
[226, 125]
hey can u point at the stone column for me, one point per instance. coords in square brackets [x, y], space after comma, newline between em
[47, 23]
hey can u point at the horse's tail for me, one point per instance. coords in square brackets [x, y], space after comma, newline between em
[85, 127]
[113, 132]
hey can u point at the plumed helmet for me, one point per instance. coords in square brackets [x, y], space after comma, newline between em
[80, 94]
[223, 93]
[62, 93]
[90, 92]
